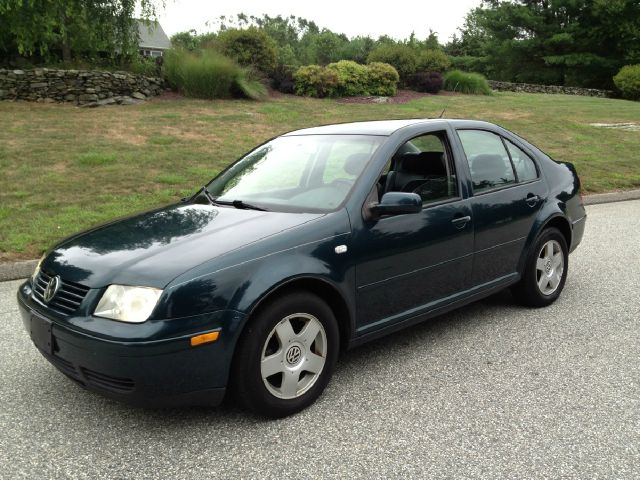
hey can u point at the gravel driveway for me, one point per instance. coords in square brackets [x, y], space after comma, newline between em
[489, 391]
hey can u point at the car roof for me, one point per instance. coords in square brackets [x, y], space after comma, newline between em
[377, 127]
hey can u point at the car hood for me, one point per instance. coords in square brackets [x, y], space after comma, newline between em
[154, 247]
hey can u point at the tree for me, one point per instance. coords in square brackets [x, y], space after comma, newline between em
[55, 29]
[573, 42]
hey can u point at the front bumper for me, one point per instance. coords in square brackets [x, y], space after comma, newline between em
[152, 373]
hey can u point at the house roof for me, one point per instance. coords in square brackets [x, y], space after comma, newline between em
[151, 35]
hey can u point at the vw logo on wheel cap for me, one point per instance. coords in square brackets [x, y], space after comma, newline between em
[293, 355]
[52, 288]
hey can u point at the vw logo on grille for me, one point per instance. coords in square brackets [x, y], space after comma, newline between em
[52, 288]
[293, 355]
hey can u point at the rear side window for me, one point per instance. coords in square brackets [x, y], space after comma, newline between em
[525, 168]
[488, 160]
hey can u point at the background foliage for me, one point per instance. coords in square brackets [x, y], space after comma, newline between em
[562, 42]
[61, 30]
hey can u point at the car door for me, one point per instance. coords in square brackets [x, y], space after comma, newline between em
[406, 264]
[507, 194]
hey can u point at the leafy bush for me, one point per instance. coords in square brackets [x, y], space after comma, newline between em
[208, 74]
[346, 78]
[433, 61]
[246, 86]
[430, 82]
[316, 81]
[353, 78]
[249, 47]
[145, 65]
[628, 81]
[472, 83]
[401, 57]
[383, 79]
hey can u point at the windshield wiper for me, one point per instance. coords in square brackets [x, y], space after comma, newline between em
[240, 204]
[207, 194]
[204, 191]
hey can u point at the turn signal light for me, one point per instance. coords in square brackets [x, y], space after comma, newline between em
[204, 338]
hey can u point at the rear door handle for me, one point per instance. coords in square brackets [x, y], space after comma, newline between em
[532, 200]
[460, 222]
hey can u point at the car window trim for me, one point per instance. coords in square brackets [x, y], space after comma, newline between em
[504, 187]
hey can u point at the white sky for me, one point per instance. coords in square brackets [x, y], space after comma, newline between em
[394, 18]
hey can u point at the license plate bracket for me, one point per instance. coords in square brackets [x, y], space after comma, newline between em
[41, 334]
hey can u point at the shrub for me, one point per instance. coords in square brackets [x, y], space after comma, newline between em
[316, 81]
[208, 74]
[628, 81]
[282, 79]
[472, 83]
[353, 78]
[246, 86]
[383, 79]
[346, 78]
[433, 61]
[145, 66]
[430, 82]
[250, 47]
[401, 57]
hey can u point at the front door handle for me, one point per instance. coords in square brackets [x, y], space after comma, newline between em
[460, 222]
[532, 200]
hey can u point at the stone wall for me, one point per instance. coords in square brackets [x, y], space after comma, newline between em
[76, 86]
[532, 88]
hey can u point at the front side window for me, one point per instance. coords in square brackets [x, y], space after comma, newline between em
[423, 166]
[312, 173]
[488, 160]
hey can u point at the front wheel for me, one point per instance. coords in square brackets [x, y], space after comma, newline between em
[545, 272]
[286, 355]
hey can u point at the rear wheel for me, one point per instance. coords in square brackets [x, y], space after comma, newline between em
[286, 355]
[545, 270]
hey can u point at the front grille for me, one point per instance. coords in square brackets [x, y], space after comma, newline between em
[66, 300]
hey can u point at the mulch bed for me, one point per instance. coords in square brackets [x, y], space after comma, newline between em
[403, 96]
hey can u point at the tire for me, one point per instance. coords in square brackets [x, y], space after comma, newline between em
[294, 338]
[545, 270]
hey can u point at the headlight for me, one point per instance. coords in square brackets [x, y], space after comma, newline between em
[127, 304]
[37, 270]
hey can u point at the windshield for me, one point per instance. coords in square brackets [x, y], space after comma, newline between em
[308, 173]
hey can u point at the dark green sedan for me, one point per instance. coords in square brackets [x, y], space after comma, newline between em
[316, 241]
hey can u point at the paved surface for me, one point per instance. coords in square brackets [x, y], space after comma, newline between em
[490, 391]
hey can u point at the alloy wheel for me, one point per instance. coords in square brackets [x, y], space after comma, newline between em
[549, 267]
[293, 355]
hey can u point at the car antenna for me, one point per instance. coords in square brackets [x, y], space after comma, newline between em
[447, 104]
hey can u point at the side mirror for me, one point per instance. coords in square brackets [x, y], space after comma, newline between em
[397, 203]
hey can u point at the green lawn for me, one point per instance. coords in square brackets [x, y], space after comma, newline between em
[65, 168]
